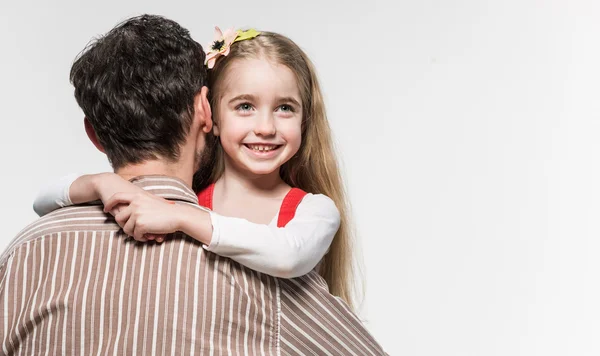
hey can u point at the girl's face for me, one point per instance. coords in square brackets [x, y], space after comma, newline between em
[259, 116]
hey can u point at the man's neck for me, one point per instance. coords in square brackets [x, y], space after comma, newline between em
[157, 167]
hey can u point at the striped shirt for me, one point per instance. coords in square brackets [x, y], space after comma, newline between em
[73, 283]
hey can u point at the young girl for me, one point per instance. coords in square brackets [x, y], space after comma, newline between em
[271, 145]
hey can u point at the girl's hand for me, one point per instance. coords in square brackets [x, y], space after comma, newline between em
[105, 185]
[101, 186]
[144, 216]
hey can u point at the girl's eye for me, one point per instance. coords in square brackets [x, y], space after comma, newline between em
[244, 107]
[286, 108]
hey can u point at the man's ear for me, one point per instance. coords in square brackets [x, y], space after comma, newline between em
[92, 135]
[202, 110]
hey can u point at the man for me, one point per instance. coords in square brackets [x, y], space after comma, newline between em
[71, 283]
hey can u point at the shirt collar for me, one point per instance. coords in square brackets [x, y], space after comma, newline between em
[166, 187]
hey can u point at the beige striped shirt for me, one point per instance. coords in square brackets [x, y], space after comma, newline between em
[72, 283]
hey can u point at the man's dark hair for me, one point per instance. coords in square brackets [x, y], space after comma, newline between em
[136, 86]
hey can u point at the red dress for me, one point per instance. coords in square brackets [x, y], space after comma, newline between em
[287, 211]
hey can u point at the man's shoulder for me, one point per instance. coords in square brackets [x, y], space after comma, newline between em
[63, 220]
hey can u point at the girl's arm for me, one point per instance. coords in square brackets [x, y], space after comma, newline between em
[287, 252]
[76, 189]
[55, 195]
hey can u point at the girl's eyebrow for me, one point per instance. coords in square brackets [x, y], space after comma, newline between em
[249, 97]
[288, 99]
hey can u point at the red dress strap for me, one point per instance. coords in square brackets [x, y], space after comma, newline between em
[205, 197]
[289, 205]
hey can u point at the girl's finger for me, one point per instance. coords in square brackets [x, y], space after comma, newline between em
[123, 216]
[129, 227]
[139, 233]
[118, 198]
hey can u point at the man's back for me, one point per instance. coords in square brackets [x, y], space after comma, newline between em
[72, 283]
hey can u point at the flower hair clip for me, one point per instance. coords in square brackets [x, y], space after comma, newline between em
[223, 41]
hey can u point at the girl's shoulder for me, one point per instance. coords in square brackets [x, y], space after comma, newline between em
[317, 204]
[318, 200]
[300, 204]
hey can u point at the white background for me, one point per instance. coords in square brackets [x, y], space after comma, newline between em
[468, 132]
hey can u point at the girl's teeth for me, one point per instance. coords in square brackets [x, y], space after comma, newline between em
[262, 148]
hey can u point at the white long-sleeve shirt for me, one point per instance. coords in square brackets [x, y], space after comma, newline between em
[285, 252]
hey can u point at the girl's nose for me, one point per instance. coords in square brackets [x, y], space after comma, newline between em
[265, 126]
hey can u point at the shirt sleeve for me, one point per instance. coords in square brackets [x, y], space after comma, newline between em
[55, 195]
[286, 252]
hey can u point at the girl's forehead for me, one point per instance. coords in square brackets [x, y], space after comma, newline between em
[259, 77]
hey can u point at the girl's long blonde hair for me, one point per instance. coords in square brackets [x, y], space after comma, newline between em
[314, 168]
